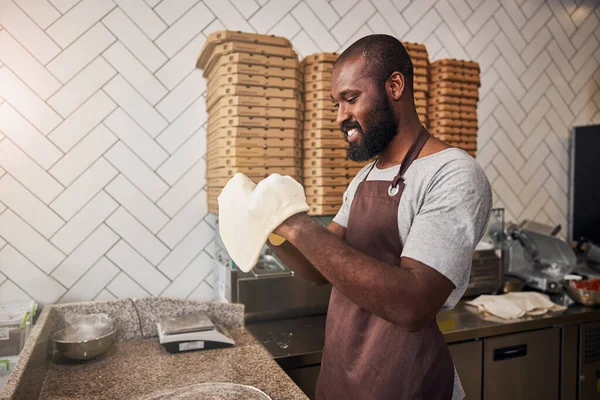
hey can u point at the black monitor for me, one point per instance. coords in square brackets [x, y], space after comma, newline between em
[584, 193]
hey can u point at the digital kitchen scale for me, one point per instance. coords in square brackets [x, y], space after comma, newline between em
[192, 332]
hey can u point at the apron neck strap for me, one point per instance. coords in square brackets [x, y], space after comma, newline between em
[411, 155]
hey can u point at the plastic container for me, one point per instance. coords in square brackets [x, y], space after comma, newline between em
[16, 320]
[7, 364]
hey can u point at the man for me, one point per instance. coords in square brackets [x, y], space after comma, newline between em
[394, 264]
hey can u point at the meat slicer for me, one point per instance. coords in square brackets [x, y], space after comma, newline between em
[541, 260]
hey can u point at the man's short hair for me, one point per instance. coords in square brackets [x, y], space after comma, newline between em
[384, 55]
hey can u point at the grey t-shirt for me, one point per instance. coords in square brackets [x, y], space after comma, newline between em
[443, 213]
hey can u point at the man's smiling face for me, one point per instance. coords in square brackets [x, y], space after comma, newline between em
[364, 112]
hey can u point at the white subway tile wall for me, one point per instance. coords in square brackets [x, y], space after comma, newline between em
[102, 123]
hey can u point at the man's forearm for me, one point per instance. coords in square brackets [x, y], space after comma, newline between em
[385, 290]
[297, 262]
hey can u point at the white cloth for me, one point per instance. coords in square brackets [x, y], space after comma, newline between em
[249, 213]
[515, 304]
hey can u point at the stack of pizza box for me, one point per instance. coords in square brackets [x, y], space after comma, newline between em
[420, 60]
[254, 107]
[453, 97]
[327, 172]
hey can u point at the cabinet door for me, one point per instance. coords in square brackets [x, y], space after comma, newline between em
[305, 378]
[589, 361]
[468, 361]
[522, 366]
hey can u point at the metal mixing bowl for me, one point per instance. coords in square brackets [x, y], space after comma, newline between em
[83, 349]
[584, 296]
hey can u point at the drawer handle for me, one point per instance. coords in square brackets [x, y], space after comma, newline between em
[506, 353]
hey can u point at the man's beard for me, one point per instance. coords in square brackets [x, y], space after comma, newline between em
[381, 129]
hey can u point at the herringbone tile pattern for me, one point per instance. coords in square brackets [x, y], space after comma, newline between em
[102, 115]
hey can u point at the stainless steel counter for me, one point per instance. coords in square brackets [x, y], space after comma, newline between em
[299, 341]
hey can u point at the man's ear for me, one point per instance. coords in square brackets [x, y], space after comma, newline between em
[397, 85]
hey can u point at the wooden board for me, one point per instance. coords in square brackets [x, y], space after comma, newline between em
[442, 99]
[251, 58]
[254, 101]
[324, 209]
[330, 171]
[318, 58]
[250, 132]
[284, 123]
[470, 116]
[327, 114]
[330, 200]
[328, 163]
[253, 172]
[319, 105]
[314, 191]
[223, 67]
[227, 47]
[214, 94]
[215, 141]
[245, 111]
[244, 152]
[452, 62]
[321, 124]
[325, 153]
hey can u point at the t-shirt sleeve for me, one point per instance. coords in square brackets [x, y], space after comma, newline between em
[451, 220]
[343, 214]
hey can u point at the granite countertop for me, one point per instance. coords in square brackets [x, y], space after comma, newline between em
[142, 369]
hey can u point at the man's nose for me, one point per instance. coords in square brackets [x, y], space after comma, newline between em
[342, 114]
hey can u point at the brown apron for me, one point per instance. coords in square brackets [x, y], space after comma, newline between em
[367, 357]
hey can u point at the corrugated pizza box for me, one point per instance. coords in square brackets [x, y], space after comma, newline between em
[256, 80]
[324, 209]
[324, 190]
[336, 143]
[471, 116]
[223, 141]
[421, 103]
[238, 36]
[331, 200]
[244, 152]
[253, 172]
[453, 108]
[327, 114]
[473, 94]
[455, 130]
[216, 163]
[325, 153]
[420, 71]
[310, 87]
[330, 171]
[450, 99]
[418, 55]
[250, 132]
[269, 122]
[322, 133]
[421, 94]
[319, 105]
[453, 85]
[412, 46]
[420, 63]
[253, 101]
[318, 58]
[232, 111]
[228, 47]
[447, 69]
[321, 124]
[250, 58]
[318, 95]
[422, 87]
[449, 77]
[215, 94]
[452, 122]
[223, 67]
[327, 180]
[327, 162]
[452, 62]
[318, 76]
[318, 67]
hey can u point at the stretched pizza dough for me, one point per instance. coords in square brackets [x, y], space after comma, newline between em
[249, 213]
